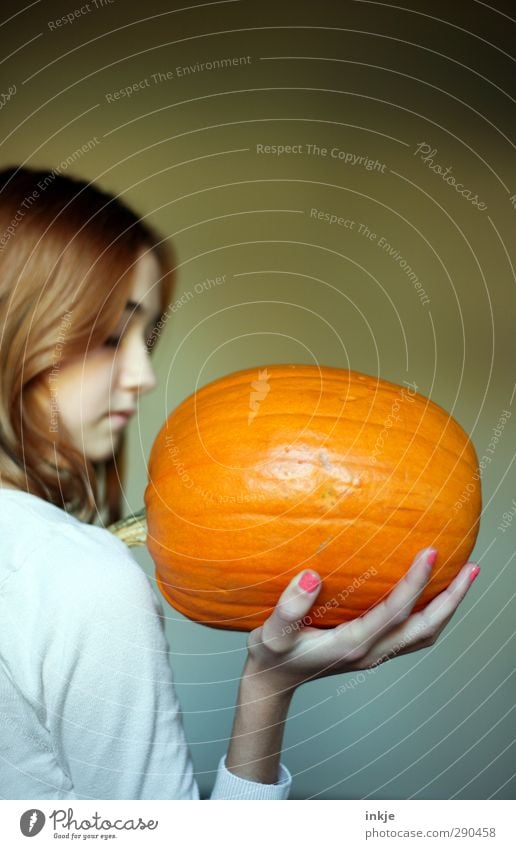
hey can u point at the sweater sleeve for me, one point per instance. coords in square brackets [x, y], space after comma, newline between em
[105, 678]
[230, 786]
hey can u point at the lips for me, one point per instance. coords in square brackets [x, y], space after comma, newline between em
[120, 417]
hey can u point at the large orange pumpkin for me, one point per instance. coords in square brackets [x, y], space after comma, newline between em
[270, 471]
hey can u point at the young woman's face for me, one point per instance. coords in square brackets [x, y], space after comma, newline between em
[96, 393]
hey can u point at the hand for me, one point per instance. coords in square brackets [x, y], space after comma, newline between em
[289, 654]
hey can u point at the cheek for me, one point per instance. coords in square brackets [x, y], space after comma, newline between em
[85, 387]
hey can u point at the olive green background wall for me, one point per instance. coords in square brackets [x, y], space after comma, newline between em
[379, 88]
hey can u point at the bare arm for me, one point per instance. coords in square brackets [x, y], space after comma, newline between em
[257, 735]
[282, 657]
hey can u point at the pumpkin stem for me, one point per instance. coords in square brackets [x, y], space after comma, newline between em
[132, 530]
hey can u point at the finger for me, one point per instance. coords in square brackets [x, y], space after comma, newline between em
[422, 628]
[279, 631]
[395, 609]
[440, 610]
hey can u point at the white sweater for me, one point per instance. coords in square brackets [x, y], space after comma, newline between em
[88, 708]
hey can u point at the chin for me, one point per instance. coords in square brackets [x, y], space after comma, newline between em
[102, 454]
[104, 447]
[99, 457]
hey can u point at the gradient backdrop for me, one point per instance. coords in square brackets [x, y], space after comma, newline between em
[387, 91]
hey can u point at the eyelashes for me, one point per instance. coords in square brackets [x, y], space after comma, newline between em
[112, 341]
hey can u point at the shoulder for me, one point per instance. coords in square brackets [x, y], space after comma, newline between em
[90, 572]
[79, 615]
[69, 564]
[89, 556]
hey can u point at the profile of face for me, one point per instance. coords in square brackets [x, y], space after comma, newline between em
[96, 393]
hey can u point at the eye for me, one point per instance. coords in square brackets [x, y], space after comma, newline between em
[112, 342]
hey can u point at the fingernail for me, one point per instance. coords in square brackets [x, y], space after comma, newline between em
[473, 574]
[431, 556]
[309, 582]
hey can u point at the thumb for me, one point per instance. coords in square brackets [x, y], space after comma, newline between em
[282, 626]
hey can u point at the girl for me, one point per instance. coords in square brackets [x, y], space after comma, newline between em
[88, 708]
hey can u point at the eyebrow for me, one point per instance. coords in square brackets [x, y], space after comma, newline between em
[136, 307]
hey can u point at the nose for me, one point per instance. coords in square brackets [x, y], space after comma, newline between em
[135, 369]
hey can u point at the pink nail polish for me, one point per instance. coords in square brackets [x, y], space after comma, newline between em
[309, 582]
[473, 574]
[431, 557]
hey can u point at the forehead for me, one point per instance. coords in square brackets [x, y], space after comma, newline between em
[146, 285]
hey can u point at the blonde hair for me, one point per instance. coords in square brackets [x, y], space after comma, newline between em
[67, 257]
